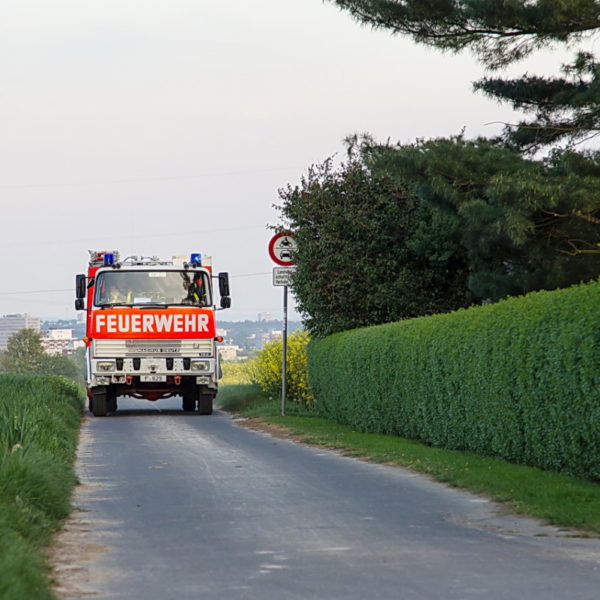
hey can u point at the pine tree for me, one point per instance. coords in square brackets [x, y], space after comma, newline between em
[498, 31]
[563, 108]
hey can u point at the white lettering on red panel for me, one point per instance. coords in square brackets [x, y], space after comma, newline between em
[127, 323]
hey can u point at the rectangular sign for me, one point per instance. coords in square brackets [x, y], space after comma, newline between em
[169, 323]
[283, 275]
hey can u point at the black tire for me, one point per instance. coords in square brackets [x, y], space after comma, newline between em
[205, 404]
[189, 402]
[99, 404]
[111, 401]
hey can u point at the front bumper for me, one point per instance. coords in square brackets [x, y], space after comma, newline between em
[160, 371]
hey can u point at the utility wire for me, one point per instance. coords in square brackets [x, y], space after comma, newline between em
[143, 179]
[71, 241]
[73, 288]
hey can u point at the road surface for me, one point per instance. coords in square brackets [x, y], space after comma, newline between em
[179, 506]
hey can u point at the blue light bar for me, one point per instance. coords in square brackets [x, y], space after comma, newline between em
[196, 258]
[109, 259]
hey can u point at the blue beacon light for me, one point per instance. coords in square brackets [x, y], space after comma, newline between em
[109, 259]
[196, 258]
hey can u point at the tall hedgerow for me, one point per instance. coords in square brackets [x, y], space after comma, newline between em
[518, 379]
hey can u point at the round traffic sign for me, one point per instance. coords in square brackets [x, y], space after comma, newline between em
[281, 248]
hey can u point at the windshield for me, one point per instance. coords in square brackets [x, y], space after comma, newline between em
[128, 288]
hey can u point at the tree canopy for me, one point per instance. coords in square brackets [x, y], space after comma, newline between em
[562, 108]
[25, 354]
[407, 230]
[356, 265]
[497, 31]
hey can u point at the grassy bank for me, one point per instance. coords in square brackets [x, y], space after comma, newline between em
[39, 424]
[559, 499]
[251, 401]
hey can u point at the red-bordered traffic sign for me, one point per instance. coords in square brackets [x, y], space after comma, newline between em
[281, 248]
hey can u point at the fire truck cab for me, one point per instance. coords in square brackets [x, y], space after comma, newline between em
[150, 329]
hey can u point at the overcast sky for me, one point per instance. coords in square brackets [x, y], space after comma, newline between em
[162, 128]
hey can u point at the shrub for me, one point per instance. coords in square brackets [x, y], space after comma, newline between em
[518, 379]
[266, 369]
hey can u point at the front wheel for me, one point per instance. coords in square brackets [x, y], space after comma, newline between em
[99, 402]
[189, 402]
[205, 404]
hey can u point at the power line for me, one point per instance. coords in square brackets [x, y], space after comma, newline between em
[71, 241]
[36, 292]
[142, 179]
[73, 288]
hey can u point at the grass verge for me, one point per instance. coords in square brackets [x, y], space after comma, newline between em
[558, 499]
[39, 425]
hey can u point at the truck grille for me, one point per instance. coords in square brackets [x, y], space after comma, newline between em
[164, 348]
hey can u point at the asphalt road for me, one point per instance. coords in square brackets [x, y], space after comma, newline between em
[176, 506]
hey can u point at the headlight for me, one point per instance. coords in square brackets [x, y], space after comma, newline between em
[105, 365]
[200, 365]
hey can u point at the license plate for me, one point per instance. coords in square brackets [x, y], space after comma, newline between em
[154, 378]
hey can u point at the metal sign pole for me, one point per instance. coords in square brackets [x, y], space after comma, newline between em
[284, 357]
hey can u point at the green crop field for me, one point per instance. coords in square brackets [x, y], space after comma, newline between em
[39, 424]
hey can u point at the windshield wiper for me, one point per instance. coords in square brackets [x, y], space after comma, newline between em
[111, 304]
[187, 304]
[151, 305]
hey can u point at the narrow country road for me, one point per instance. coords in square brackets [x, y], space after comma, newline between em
[176, 507]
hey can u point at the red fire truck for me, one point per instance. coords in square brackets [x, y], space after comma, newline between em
[150, 329]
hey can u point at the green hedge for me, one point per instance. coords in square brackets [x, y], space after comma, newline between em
[519, 379]
[39, 424]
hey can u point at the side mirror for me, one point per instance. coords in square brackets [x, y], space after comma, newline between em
[80, 287]
[224, 284]
[225, 302]
[79, 305]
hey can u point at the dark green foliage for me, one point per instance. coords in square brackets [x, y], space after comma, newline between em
[517, 380]
[501, 32]
[497, 31]
[364, 254]
[411, 230]
[39, 423]
[563, 108]
[523, 224]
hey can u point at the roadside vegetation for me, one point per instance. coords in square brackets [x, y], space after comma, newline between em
[39, 425]
[400, 245]
[251, 384]
[531, 403]
[25, 354]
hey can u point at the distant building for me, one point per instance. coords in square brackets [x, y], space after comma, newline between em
[229, 352]
[10, 324]
[60, 342]
[270, 336]
[265, 316]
